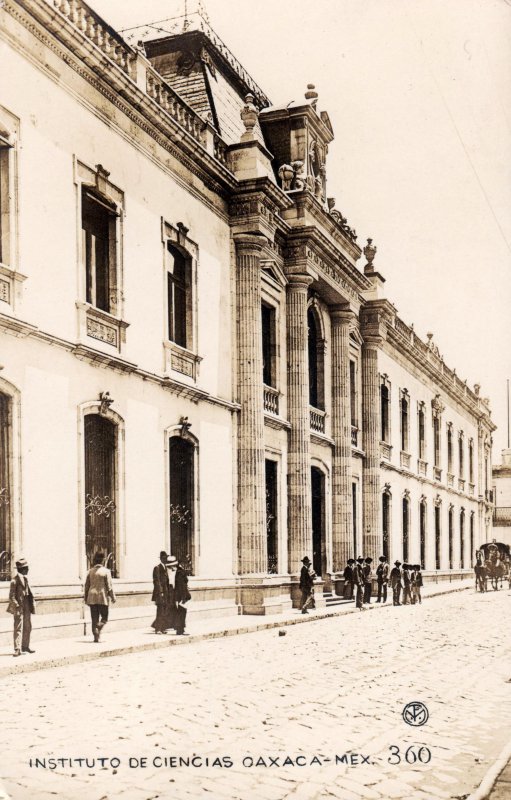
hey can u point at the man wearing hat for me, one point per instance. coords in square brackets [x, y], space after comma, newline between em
[358, 578]
[348, 579]
[160, 594]
[382, 579]
[307, 576]
[181, 597]
[396, 577]
[98, 593]
[367, 572]
[22, 606]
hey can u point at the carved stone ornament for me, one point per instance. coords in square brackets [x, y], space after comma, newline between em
[432, 346]
[289, 175]
[249, 114]
[184, 425]
[437, 405]
[370, 251]
[340, 220]
[105, 403]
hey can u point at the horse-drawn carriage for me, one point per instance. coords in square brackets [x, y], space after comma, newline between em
[493, 563]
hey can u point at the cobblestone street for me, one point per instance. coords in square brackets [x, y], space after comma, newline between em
[324, 694]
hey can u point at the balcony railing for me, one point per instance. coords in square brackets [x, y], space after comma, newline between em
[317, 420]
[450, 480]
[461, 484]
[437, 473]
[422, 467]
[502, 516]
[270, 400]
[405, 459]
[354, 436]
[386, 450]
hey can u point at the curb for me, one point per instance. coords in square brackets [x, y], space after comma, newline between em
[490, 779]
[78, 658]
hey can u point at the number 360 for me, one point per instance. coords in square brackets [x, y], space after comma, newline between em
[412, 754]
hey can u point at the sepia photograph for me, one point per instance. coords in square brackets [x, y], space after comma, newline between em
[255, 365]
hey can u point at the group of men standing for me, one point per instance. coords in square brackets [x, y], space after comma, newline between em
[170, 593]
[403, 578]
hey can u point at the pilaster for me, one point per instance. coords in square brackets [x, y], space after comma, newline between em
[342, 522]
[372, 540]
[299, 480]
[252, 546]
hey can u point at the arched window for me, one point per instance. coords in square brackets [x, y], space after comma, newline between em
[181, 501]
[406, 529]
[385, 412]
[101, 490]
[316, 362]
[6, 498]
[386, 501]
[462, 538]
[451, 536]
[422, 531]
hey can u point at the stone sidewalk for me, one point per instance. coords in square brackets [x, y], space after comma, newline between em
[73, 650]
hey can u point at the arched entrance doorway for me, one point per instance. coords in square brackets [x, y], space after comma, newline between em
[318, 521]
[181, 501]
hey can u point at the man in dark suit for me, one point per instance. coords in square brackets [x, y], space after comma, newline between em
[396, 578]
[22, 606]
[358, 578]
[181, 597]
[382, 579]
[161, 594]
[307, 576]
[367, 572]
[348, 579]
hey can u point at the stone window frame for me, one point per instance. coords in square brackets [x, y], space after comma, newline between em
[437, 504]
[184, 361]
[471, 460]
[406, 504]
[423, 507]
[273, 286]
[10, 278]
[107, 327]
[462, 537]
[355, 357]
[448, 433]
[450, 534]
[386, 546]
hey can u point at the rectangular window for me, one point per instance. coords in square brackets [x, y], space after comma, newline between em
[271, 516]
[422, 435]
[353, 394]
[449, 448]
[178, 289]
[5, 203]
[461, 455]
[436, 437]
[385, 413]
[471, 461]
[404, 424]
[99, 251]
[269, 345]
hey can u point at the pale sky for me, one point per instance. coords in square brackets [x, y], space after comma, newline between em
[419, 96]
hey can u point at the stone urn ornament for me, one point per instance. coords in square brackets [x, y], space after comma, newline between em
[370, 251]
[249, 116]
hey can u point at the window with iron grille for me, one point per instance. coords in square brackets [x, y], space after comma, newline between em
[100, 490]
[5, 487]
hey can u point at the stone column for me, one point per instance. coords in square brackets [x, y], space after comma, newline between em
[342, 523]
[372, 540]
[299, 479]
[252, 547]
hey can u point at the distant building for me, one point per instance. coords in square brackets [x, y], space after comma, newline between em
[502, 499]
[191, 357]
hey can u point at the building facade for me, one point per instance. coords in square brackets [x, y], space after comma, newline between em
[191, 358]
[502, 499]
